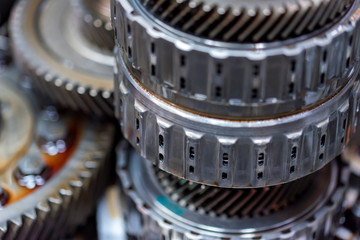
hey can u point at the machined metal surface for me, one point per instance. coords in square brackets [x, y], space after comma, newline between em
[49, 183]
[234, 153]
[236, 80]
[162, 213]
[64, 65]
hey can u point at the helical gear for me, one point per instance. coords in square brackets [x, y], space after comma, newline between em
[65, 67]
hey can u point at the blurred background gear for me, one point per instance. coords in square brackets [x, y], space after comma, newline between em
[64, 64]
[53, 166]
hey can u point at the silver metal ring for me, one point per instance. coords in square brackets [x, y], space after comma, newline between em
[235, 80]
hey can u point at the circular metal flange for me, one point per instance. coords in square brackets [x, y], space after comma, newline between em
[154, 214]
[64, 65]
[228, 153]
[35, 205]
[233, 80]
[95, 22]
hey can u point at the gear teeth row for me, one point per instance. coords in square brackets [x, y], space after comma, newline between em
[73, 96]
[233, 154]
[235, 81]
[95, 28]
[64, 203]
[316, 224]
[64, 91]
[231, 203]
[251, 21]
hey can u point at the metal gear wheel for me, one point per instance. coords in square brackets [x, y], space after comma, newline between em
[234, 154]
[238, 80]
[65, 66]
[53, 166]
[166, 207]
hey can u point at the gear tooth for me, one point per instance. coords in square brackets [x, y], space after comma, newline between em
[92, 164]
[76, 186]
[293, 151]
[59, 82]
[65, 192]
[13, 226]
[140, 136]
[27, 223]
[192, 154]
[66, 196]
[226, 152]
[55, 201]
[94, 93]
[85, 176]
[261, 150]
[66, 90]
[43, 208]
[78, 198]
[106, 94]
[41, 216]
[164, 130]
